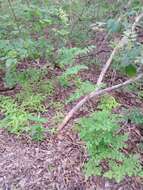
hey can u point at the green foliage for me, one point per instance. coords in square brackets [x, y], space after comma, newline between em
[27, 98]
[135, 115]
[37, 132]
[113, 26]
[46, 87]
[129, 59]
[17, 119]
[32, 80]
[140, 94]
[57, 105]
[37, 119]
[125, 169]
[30, 76]
[57, 32]
[131, 70]
[45, 30]
[104, 145]
[21, 113]
[137, 5]
[83, 88]
[39, 30]
[67, 55]
[58, 116]
[30, 101]
[66, 77]
[74, 70]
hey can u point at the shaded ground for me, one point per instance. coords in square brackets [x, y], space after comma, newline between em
[54, 164]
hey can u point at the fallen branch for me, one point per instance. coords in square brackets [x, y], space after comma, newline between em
[97, 92]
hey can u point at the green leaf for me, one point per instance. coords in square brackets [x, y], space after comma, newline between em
[130, 70]
[37, 132]
[37, 119]
[10, 78]
[135, 115]
[64, 78]
[99, 132]
[113, 25]
[11, 62]
[75, 69]
[83, 88]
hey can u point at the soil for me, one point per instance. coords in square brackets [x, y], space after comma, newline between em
[55, 164]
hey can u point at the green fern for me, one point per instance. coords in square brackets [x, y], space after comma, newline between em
[71, 72]
[37, 132]
[67, 56]
[104, 144]
[83, 88]
[135, 115]
[74, 70]
[17, 119]
[125, 169]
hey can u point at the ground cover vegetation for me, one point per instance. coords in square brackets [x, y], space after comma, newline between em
[48, 48]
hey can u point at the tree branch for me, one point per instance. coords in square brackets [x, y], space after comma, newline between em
[97, 92]
[122, 42]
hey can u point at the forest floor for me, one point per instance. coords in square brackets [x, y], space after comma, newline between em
[56, 163]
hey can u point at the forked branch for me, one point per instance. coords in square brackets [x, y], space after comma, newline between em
[98, 91]
[95, 94]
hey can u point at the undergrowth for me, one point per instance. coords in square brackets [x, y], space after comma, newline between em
[16, 119]
[58, 34]
[105, 145]
[22, 113]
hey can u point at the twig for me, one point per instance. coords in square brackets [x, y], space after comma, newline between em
[138, 18]
[98, 92]
[14, 15]
[8, 89]
[92, 54]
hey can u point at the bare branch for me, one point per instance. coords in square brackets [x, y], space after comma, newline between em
[122, 42]
[98, 92]
[95, 94]
[137, 20]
